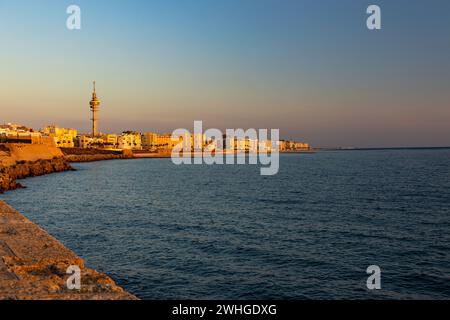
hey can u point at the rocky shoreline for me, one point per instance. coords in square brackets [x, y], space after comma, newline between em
[94, 157]
[14, 167]
[33, 264]
[23, 169]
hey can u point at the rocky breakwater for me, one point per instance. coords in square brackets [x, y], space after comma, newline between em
[19, 161]
[89, 155]
[35, 266]
[23, 169]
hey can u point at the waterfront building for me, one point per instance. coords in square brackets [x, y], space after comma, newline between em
[149, 140]
[282, 145]
[241, 145]
[130, 140]
[62, 137]
[87, 141]
[165, 142]
[16, 133]
[198, 141]
[14, 128]
[105, 141]
[285, 145]
[302, 146]
[157, 141]
[265, 146]
[110, 140]
[210, 146]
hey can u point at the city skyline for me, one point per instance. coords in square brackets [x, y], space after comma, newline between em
[161, 66]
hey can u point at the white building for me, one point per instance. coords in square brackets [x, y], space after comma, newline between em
[130, 140]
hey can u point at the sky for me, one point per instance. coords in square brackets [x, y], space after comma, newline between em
[309, 68]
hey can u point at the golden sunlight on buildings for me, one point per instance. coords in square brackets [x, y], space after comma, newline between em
[155, 141]
[129, 140]
[165, 143]
[286, 146]
[109, 140]
[63, 137]
[87, 141]
[132, 140]
[16, 133]
[151, 142]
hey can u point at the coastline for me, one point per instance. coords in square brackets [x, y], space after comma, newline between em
[33, 264]
[154, 155]
[21, 166]
[24, 169]
[48, 271]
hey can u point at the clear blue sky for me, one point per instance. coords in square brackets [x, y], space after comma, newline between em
[310, 68]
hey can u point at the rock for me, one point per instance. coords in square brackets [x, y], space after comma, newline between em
[23, 169]
[33, 265]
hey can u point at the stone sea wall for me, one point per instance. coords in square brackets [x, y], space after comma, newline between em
[89, 155]
[94, 157]
[34, 265]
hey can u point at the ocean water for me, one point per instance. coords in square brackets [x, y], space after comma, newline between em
[225, 232]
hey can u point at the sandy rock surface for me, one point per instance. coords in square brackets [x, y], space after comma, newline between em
[33, 265]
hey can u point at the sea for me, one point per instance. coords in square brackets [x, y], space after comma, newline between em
[163, 231]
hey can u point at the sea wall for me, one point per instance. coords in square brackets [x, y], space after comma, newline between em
[94, 157]
[19, 161]
[33, 265]
[89, 155]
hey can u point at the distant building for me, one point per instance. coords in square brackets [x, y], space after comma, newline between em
[265, 146]
[293, 146]
[63, 137]
[198, 142]
[16, 133]
[302, 146]
[149, 140]
[110, 140]
[130, 140]
[87, 141]
[156, 141]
